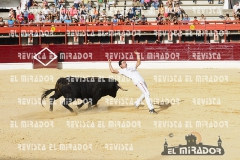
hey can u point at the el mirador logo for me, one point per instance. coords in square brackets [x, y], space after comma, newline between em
[192, 148]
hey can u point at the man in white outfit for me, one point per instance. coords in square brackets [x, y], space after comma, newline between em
[132, 73]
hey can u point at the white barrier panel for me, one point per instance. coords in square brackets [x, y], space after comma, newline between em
[152, 64]
[12, 66]
[144, 65]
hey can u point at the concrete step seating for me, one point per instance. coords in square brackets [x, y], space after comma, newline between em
[211, 11]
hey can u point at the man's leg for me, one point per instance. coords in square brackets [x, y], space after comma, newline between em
[139, 100]
[142, 86]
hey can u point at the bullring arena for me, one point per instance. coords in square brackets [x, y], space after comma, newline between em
[207, 107]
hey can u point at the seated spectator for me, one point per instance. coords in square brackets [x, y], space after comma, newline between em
[63, 17]
[118, 14]
[53, 11]
[63, 10]
[57, 20]
[25, 13]
[89, 19]
[11, 11]
[170, 11]
[40, 15]
[237, 20]
[127, 21]
[44, 3]
[195, 21]
[143, 20]
[35, 3]
[103, 14]
[68, 20]
[97, 21]
[115, 20]
[29, 3]
[166, 21]
[121, 20]
[105, 21]
[18, 11]
[73, 11]
[20, 18]
[130, 14]
[77, 3]
[24, 7]
[185, 20]
[83, 11]
[95, 12]
[110, 2]
[45, 11]
[235, 9]
[159, 19]
[2, 23]
[10, 22]
[82, 20]
[13, 16]
[48, 20]
[155, 4]
[89, 6]
[177, 10]
[202, 19]
[227, 19]
[147, 4]
[136, 6]
[40, 21]
[22, 4]
[31, 17]
[61, 3]
[161, 9]
[76, 16]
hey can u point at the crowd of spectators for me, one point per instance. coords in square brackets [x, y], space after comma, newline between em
[83, 11]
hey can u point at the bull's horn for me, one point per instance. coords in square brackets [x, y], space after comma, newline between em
[121, 87]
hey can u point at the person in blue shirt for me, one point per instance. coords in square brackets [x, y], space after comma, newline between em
[186, 19]
[68, 20]
[25, 14]
[10, 22]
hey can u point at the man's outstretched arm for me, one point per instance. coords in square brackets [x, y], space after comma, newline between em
[138, 58]
[111, 68]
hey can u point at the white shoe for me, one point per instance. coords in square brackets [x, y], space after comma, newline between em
[136, 104]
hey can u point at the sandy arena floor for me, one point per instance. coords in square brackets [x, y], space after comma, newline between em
[136, 133]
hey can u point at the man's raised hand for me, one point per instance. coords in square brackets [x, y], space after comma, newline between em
[136, 52]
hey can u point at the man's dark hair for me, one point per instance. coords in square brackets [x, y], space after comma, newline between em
[120, 62]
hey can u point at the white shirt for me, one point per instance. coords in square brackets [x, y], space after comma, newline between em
[45, 11]
[235, 8]
[132, 73]
[76, 1]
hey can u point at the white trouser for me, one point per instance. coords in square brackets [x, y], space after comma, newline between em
[143, 87]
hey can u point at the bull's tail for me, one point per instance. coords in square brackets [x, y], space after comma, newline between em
[45, 94]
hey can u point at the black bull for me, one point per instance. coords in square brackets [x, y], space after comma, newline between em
[90, 89]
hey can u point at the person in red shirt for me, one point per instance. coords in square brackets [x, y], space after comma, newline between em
[195, 21]
[31, 17]
[20, 18]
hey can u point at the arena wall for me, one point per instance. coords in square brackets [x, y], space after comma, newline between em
[96, 56]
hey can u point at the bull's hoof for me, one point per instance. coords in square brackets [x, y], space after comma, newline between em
[50, 109]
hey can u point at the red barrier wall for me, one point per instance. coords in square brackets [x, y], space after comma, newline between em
[101, 52]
